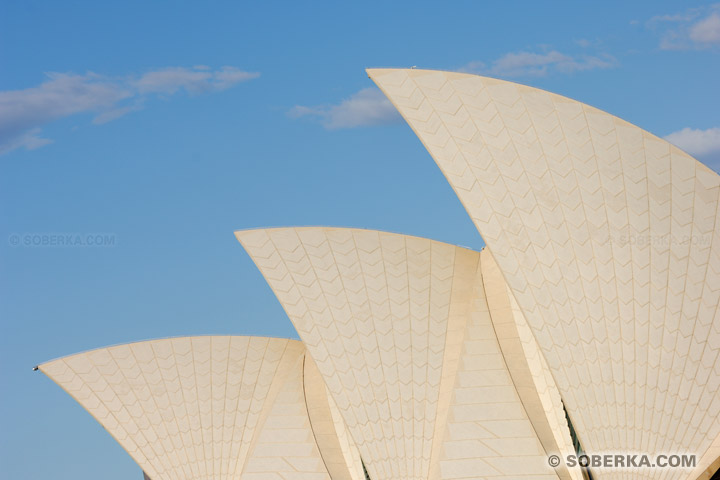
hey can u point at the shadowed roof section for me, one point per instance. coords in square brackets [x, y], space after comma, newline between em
[200, 407]
[401, 332]
[608, 238]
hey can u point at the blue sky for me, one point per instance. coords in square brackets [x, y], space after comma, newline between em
[157, 129]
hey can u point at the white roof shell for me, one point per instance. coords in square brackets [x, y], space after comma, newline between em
[409, 345]
[609, 239]
[214, 407]
[600, 286]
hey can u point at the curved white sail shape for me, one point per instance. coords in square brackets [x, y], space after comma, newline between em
[401, 332]
[339, 453]
[607, 236]
[200, 407]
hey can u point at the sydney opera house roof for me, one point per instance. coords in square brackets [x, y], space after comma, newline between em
[210, 407]
[589, 323]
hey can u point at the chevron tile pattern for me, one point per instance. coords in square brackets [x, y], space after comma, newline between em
[401, 333]
[200, 407]
[526, 365]
[488, 432]
[285, 448]
[607, 237]
[599, 292]
[339, 452]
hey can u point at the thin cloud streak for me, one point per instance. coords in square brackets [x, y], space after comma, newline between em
[706, 31]
[24, 112]
[61, 95]
[696, 28]
[168, 81]
[30, 140]
[367, 107]
[531, 64]
[697, 142]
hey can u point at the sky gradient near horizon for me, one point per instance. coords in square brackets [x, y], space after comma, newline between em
[157, 129]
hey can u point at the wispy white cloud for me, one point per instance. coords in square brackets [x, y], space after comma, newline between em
[534, 64]
[707, 30]
[29, 140]
[370, 107]
[196, 80]
[24, 112]
[364, 108]
[695, 28]
[114, 113]
[700, 143]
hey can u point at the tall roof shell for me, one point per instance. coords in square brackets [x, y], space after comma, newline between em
[402, 332]
[608, 238]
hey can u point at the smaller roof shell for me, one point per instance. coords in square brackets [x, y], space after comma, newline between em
[213, 407]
